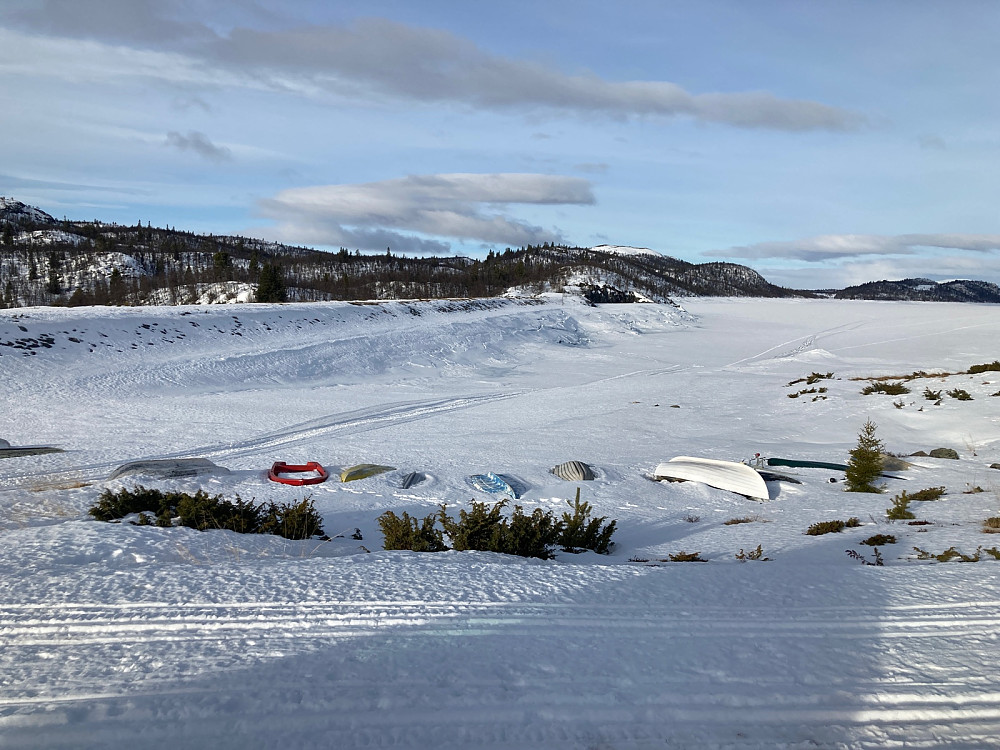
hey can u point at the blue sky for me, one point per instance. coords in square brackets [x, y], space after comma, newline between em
[822, 143]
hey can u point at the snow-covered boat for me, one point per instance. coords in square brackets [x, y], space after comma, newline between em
[724, 475]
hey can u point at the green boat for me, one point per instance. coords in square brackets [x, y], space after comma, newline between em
[805, 464]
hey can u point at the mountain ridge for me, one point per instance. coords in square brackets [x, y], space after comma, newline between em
[48, 261]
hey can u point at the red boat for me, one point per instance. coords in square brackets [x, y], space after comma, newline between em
[280, 468]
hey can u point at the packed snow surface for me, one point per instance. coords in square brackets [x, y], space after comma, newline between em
[124, 636]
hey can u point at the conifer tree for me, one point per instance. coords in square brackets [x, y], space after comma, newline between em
[865, 463]
[271, 285]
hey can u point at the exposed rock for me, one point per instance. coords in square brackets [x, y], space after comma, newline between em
[4, 443]
[944, 453]
[893, 463]
[995, 466]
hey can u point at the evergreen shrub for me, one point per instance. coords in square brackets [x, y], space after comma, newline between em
[832, 527]
[580, 531]
[879, 539]
[900, 510]
[931, 493]
[890, 389]
[484, 528]
[205, 512]
[408, 532]
[993, 366]
[865, 463]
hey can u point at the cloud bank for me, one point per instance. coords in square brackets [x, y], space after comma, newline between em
[395, 213]
[377, 58]
[838, 246]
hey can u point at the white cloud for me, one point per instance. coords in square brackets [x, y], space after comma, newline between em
[376, 57]
[464, 207]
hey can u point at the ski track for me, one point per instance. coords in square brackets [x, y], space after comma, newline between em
[225, 637]
[344, 422]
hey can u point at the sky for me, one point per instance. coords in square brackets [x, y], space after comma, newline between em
[823, 143]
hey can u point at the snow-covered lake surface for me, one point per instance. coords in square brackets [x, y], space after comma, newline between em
[120, 636]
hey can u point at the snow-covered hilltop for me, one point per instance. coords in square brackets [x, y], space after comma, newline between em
[52, 262]
[15, 212]
[623, 250]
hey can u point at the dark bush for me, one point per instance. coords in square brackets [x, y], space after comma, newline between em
[879, 539]
[832, 527]
[204, 512]
[478, 529]
[296, 521]
[411, 533]
[530, 536]
[890, 389]
[993, 366]
[111, 506]
[580, 531]
[484, 528]
[931, 493]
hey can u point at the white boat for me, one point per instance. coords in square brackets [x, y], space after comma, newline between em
[724, 475]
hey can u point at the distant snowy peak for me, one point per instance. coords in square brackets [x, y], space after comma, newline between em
[623, 250]
[17, 212]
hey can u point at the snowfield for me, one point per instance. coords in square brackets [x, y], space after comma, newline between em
[123, 636]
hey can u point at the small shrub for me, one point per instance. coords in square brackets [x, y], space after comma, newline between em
[485, 529]
[683, 556]
[112, 506]
[294, 521]
[579, 531]
[744, 519]
[864, 560]
[899, 404]
[992, 525]
[206, 512]
[949, 554]
[815, 377]
[932, 395]
[476, 529]
[889, 389]
[879, 540]
[973, 490]
[831, 527]
[692, 519]
[993, 366]
[960, 394]
[531, 536]
[900, 510]
[931, 493]
[756, 554]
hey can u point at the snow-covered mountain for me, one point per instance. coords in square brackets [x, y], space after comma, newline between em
[48, 261]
